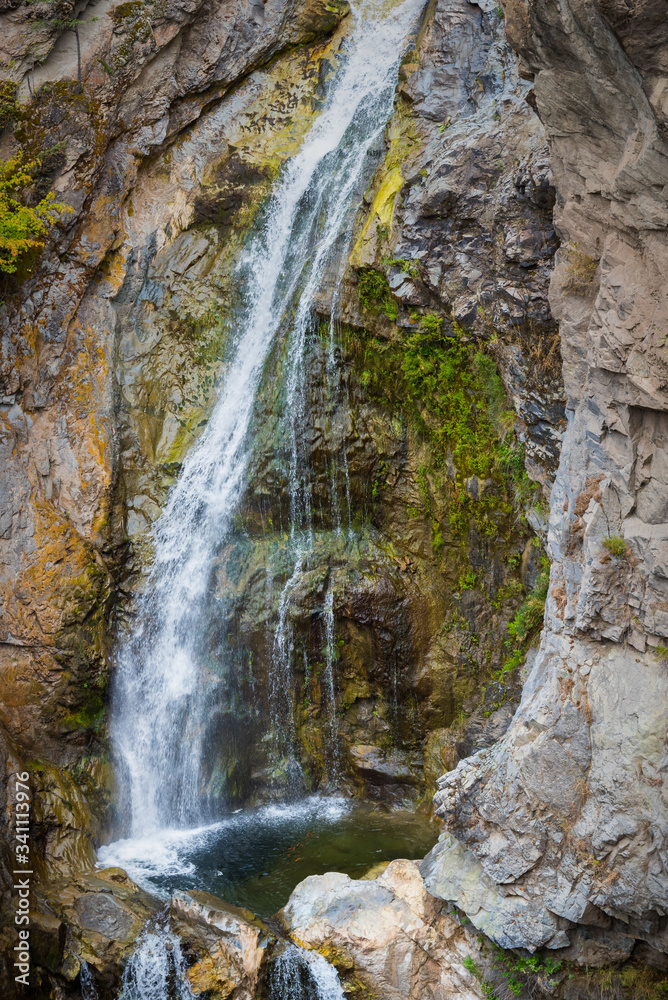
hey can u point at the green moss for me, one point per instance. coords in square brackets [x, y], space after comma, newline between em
[126, 10]
[453, 395]
[526, 624]
[529, 618]
[90, 716]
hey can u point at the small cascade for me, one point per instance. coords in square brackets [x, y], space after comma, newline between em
[298, 974]
[156, 970]
[87, 982]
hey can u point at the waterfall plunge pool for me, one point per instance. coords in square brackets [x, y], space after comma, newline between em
[256, 857]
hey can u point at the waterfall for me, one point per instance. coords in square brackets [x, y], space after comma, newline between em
[298, 974]
[330, 657]
[160, 699]
[156, 970]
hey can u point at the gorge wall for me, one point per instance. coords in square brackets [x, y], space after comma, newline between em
[426, 543]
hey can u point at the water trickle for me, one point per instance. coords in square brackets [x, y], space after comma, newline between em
[87, 982]
[164, 688]
[156, 970]
[298, 974]
[330, 657]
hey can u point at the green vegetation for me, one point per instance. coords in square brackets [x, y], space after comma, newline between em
[467, 581]
[526, 624]
[23, 228]
[528, 620]
[375, 295]
[454, 396]
[615, 545]
[407, 266]
[519, 972]
[8, 103]
[487, 988]
[643, 983]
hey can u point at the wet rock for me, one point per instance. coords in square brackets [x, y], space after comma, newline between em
[377, 767]
[93, 918]
[229, 946]
[103, 914]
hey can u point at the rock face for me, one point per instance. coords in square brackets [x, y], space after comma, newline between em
[389, 930]
[462, 178]
[568, 812]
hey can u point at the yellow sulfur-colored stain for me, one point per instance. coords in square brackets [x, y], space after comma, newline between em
[382, 209]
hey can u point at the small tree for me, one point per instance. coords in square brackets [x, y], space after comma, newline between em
[22, 228]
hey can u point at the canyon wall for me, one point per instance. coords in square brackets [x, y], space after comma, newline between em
[565, 819]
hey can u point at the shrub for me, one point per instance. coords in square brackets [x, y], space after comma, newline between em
[615, 545]
[581, 271]
[373, 288]
[529, 617]
[22, 228]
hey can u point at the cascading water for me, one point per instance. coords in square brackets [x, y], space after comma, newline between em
[298, 974]
[156, 969]
[160, 700]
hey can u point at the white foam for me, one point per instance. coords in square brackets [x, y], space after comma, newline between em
[168, 852]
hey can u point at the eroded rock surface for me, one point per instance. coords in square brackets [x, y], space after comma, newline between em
[389, 932]
[569, 810]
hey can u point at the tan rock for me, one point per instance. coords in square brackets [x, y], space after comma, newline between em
[400, 944]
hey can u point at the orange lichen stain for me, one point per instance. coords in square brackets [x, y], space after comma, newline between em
[18, 684]
[114, 269]
[34, 600]
[82, 392]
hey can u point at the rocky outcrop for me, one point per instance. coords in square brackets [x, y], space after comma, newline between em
[387, 933]
[567, 815]
[227, 948]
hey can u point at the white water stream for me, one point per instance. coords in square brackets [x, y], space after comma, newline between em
[157, 721]
[160, 709]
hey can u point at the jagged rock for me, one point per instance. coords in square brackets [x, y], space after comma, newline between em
[390, 930]
[229, 946]
[450, 872]
[563, 807]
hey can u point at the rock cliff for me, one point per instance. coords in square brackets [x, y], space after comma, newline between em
[566, 815]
